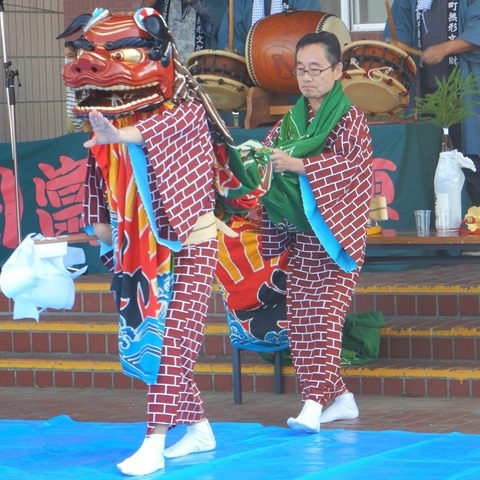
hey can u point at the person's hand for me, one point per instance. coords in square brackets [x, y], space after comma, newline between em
[433, 55]
[103, 129]
[282, 162]
[104, 232]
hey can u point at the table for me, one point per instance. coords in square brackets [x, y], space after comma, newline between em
[386, 248]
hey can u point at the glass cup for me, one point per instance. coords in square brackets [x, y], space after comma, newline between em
[422, 221]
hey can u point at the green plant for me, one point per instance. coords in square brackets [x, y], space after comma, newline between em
[452, 102]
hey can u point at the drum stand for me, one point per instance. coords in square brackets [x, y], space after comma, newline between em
[265, 107]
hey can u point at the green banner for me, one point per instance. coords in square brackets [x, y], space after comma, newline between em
[51, 174]
[50, 177]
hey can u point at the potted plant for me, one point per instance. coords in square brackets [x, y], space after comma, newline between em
[450, 104]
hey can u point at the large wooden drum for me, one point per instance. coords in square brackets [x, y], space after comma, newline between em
[271, 42]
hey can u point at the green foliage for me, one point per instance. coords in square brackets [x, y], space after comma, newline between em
[451, 103]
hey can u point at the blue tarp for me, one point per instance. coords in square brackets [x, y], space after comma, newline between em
[61, 448]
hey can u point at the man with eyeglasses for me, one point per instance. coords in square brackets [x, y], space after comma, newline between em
[317, 207]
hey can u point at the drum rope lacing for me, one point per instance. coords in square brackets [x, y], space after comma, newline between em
[375, 74]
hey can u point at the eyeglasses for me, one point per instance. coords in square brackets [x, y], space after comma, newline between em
[313, 72]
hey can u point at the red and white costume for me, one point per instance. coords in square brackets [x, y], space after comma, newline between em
[180, 157]
[319, 292]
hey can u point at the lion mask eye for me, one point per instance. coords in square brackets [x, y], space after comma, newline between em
[127, 55]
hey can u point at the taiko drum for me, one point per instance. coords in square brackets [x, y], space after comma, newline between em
[271, 42]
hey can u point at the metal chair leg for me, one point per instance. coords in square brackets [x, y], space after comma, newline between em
[237, 376]
[277, 371]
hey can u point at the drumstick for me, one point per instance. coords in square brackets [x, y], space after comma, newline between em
[230, 26]
[390, 21]
[406, 48]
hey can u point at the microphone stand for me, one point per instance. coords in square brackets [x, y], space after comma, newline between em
[10, 95]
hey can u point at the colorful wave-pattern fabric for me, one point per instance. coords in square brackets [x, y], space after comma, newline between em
[253, 290]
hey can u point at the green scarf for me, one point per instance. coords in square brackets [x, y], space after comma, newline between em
[298, 138]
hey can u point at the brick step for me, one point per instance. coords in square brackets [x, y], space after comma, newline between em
[427, 378]
[427, 317]
[92, 296]
[383, 377]
[402, 338]
[431, 338]
[88, 334]
[436, 292]
[69, 334]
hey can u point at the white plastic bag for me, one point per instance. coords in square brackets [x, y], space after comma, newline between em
[36, 276]
[448, 183]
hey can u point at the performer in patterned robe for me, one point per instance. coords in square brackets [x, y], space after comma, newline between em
[322, 157]
[150, 198]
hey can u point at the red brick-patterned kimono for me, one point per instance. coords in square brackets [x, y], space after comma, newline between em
[319, 292]
[179, 156]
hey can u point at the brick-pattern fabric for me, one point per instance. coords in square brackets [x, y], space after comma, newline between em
[180, 147]
[95, 209]
[175, 398]
[318, 296]
[318, 291]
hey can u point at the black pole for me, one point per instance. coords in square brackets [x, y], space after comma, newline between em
[10, 95]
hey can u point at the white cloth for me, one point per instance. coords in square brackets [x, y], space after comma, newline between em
[258, 10]
[422, 7]
[36, 276]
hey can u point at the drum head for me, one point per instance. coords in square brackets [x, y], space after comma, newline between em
[375, 97]
[331, 23]
[226, 94]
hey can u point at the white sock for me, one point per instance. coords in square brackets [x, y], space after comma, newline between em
[343, 408]
[309, 419]
[199, 438]
[147, 459]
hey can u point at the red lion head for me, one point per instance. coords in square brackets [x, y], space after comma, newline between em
[125, 62]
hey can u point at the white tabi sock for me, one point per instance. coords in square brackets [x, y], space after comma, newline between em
[343, 408]
[147, 459]
[309, 419]
[199, 438]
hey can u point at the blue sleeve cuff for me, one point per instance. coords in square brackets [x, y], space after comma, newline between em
[321, 229]
[139, 165]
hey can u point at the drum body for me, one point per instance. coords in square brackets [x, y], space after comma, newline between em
[377, 76]
[223, 75]
[271, 42]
